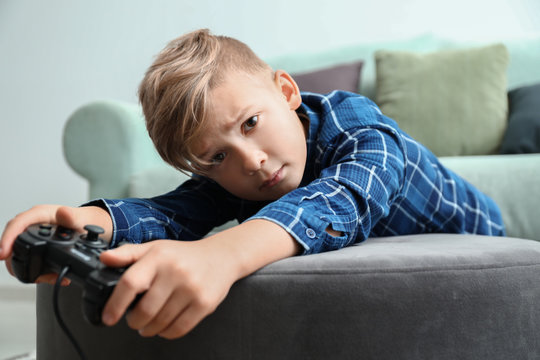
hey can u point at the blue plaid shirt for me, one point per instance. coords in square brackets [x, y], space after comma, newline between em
[364, 177]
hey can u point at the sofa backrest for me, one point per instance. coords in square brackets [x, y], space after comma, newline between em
[523, 69]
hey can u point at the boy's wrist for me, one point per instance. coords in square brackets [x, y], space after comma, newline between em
[255, 244]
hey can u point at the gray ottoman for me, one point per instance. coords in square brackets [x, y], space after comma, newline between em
[431, 296]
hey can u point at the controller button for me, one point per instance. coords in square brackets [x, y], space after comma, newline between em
[64, 234]
[45, 226]
[44, 232]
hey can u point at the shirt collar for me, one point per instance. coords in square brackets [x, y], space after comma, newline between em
[306, 113]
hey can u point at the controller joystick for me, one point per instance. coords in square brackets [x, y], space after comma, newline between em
[47, 248]
[92, 238]
[93, 232]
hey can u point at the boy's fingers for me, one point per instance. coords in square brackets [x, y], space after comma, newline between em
[123, 296]
[184, 323]
[168, 312]
[38, 214]
[51, 280]
[67, 217]
[9, 267]
[135, 280]
[8, 237]
[52, 214]
[124, 255]
[161, 304]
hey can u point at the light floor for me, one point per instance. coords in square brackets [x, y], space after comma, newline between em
[17, 321]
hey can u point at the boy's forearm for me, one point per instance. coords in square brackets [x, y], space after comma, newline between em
[255, 244]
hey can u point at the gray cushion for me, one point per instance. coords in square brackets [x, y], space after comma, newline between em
[411, 297]
[340, 77]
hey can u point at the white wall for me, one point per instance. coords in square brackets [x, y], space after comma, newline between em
[58, 54]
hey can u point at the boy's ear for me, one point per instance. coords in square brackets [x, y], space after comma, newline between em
[288, 88]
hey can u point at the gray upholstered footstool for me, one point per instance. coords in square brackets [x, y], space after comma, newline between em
[411, 297]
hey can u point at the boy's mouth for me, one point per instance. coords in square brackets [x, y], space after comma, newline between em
[273, 180]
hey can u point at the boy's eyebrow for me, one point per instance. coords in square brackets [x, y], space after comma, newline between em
[239, 117]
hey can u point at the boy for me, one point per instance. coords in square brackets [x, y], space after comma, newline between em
[303, 174]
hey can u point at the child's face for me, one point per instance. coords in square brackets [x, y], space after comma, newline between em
[255, 139]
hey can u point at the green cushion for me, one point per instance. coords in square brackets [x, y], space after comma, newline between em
[452, 101]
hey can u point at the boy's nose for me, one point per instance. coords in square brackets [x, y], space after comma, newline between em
[252, 159]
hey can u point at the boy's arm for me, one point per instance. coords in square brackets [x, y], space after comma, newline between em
[188, 212]
[186, 281]
[352, 193]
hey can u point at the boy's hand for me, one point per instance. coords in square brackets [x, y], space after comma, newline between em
[70, 217]
[184, 282]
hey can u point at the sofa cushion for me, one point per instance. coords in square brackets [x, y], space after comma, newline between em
[523, 132]
[340, 77]
[453, 101]
[516, 195]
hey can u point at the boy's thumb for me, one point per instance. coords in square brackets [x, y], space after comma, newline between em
[123, 256]
[67, 217]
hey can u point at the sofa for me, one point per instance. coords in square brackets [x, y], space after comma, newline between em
[427, 296]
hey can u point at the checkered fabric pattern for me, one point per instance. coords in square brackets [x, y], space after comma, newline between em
[364, 178]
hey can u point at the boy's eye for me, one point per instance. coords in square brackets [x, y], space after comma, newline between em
[218, 158]
[250, 123]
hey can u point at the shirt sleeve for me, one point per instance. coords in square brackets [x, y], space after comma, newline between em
[187, 213]
[364, 175]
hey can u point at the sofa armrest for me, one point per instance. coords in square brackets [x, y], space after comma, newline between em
[510, 180]
[106, 142]
[155, 181]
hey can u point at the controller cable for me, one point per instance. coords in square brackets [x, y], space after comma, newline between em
[59, 319]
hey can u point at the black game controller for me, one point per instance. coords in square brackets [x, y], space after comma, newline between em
[46, 248]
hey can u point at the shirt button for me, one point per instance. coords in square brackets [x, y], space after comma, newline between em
[310, 233]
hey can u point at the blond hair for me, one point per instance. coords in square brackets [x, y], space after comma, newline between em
[174, 93]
